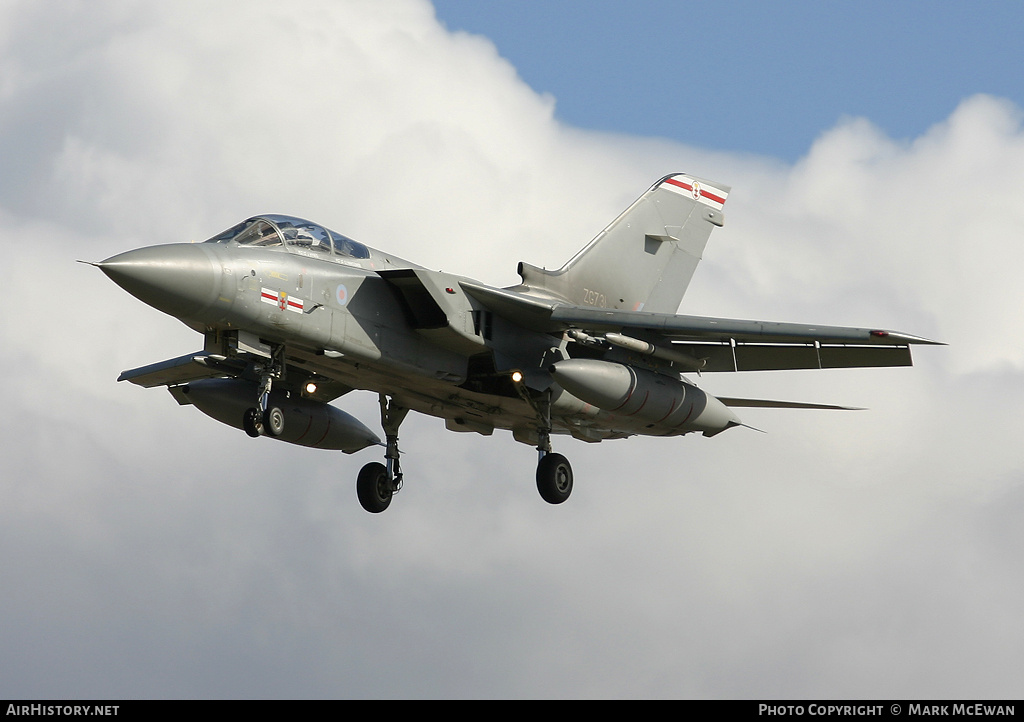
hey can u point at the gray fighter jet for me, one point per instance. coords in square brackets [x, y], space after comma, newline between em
[294, 315]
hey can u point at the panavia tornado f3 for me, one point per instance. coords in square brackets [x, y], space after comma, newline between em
[295, 315]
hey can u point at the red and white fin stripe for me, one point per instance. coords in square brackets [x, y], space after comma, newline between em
[697, 189]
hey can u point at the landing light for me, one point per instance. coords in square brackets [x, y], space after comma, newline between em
[310, 388]
[517, 376]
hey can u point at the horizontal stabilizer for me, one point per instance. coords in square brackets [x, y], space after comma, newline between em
[180, 370]
[769, 404]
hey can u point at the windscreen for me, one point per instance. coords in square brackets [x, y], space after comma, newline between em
[276, 230]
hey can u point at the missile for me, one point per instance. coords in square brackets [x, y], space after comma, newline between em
[637, 346]
[656, 402]
[649, 349]
[307, 422]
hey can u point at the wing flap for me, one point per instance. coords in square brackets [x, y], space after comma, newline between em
[843, 357]
[775, 357]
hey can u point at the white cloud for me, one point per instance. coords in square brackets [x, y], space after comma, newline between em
[148, 551]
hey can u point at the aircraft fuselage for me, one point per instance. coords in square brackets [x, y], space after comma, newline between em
[380, 324]
[294, 315]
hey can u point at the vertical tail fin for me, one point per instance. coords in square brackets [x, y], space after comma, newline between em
[645, 258]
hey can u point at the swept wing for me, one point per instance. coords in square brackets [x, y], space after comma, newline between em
[714, 344]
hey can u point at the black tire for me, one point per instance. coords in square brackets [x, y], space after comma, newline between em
[273, 422]
[373, 487]
[554, 478]
[251, 422]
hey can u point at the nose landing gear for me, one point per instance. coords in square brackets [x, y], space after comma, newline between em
[264, 418]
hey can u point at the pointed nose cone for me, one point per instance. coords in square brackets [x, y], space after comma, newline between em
[179, 279]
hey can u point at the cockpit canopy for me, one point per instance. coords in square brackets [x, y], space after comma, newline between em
[290, 232]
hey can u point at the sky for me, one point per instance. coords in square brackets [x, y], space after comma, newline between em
[876, 159]
[766, 78]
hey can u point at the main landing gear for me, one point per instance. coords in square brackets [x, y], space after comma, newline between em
[554, 474]
[554, 478]
[377, 482]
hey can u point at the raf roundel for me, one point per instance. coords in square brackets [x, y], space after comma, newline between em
[341, 294]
